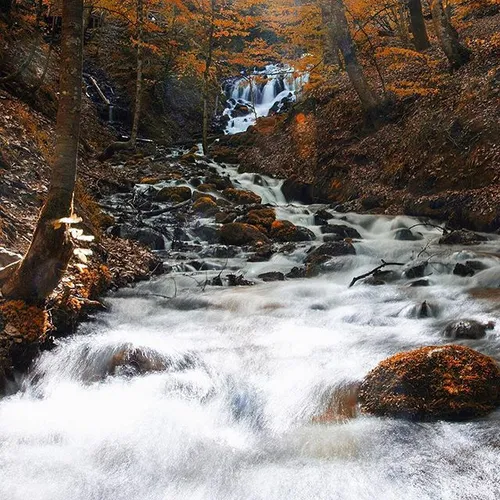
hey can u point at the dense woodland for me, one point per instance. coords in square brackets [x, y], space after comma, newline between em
[399, 115]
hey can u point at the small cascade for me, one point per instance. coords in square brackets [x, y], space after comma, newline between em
[263, 93]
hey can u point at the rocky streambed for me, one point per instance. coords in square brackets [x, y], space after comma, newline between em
[236, 374]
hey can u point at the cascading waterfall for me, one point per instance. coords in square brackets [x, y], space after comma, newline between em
[259, 94]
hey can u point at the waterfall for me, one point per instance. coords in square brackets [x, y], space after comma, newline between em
[262, 93]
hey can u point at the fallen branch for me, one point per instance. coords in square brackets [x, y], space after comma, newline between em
[373, 271]
[160, 211]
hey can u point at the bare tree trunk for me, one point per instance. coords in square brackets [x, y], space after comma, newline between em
[457, 54]
[369, 99]
[331, 51]
[417, 25]
[131, 143]
[206, 78]
[50, 251]
[138, 88]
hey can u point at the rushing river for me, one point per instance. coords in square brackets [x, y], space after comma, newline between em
[232, 418]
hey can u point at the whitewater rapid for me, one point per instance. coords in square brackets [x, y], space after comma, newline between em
[232, 418]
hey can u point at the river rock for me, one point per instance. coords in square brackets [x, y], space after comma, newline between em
[200, 194]
[339, 404]
[272, 276]
[239, 234]
[241, 196]
[331, 249]
[144, 235]
[341, 230]
[450, 382]
[464, 270]
[207, 233]
[405, 234]
[297, 273]
[133, 361]
[284, 231]
[261, 218]
[205, 206]
[174, 194]
[416, 271]
[466, 329]
[321, 217]
[462, 237]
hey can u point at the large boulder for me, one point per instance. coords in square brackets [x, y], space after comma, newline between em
[450, 382]
[174, 194]
[239, 234]
[241, 196]
[284, 231]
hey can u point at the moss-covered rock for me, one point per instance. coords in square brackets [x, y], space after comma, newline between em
[241, 196]
[174, 194]
[261, 218]
[205, 206]
[237, 233]
[284, 231]
[449, 382]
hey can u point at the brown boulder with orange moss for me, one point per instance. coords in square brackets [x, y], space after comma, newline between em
[241, 196]
[262, 218]
[450, 382]
[239, 234]
[284, 231]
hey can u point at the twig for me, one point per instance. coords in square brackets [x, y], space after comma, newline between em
[373, 271]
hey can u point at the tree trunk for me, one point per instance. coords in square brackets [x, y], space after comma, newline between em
[206, 78]
[417, 25]
[457, 54]
[369, 100]
[50, 251]
[138, 87]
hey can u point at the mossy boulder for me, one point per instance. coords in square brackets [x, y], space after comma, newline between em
[239, 234]
[205, 206]
[174, 194]
[449, 382]
[284, 231]
[241, 196]
[261, 218]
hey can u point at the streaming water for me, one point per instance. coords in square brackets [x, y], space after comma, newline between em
[230, 417]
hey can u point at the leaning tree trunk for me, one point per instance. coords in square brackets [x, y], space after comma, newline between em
[417, 25]
[138, 86]
[343, 39]
[457, 54]
[50, 251]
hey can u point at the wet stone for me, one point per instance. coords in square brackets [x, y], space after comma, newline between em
[466, 329]
[405, 234]
[272, 276]
[417, 271]
[463, 270]
[341, 230]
